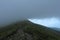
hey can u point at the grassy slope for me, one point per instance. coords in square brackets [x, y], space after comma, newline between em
[38, 32]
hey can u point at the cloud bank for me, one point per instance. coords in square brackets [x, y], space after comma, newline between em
[48, 22]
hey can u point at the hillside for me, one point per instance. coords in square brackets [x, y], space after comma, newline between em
[26, 30]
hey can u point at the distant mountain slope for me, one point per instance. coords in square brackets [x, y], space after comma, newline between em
[26, 30]
[57, 29]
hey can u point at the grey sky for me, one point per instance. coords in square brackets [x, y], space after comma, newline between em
[19, 9]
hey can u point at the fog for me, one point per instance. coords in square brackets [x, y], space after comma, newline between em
[14, 10]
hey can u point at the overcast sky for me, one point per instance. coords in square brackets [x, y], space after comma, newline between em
[11, 10]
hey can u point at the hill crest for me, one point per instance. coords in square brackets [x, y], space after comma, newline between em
[26, 30]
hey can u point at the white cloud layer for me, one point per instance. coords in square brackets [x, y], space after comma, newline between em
[49, 22]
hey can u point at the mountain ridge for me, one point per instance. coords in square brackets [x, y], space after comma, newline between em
[26, 30]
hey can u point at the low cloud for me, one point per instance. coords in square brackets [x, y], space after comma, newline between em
[48, 22]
